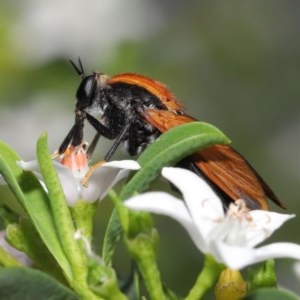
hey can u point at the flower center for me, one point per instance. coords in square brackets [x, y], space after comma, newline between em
[235, 224]
[239, 210]
[75, 158]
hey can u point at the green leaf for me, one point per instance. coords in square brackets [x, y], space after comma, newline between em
[26, 284]
[271, 293]
[64, 223]
[32, 197]
[170, 148]
[167, 150]
[60, 210]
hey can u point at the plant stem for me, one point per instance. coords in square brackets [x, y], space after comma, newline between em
[206, 279]
[141, 248]
[83, 213]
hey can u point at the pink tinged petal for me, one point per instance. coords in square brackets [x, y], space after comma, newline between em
[241, 257]
[105, 177]
[202, 202]
[264, 224]
[168, 205]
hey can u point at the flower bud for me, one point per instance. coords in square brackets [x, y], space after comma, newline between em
[230, 285]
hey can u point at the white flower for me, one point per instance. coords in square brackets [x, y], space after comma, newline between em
[229, 237]
[73, 167]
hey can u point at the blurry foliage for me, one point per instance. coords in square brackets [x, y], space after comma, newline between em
[235, 64]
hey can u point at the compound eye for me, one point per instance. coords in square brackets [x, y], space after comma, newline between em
[85, 91]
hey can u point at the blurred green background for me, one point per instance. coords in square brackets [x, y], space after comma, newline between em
[234, 64]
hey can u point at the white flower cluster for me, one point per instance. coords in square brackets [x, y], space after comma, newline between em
[230, 237]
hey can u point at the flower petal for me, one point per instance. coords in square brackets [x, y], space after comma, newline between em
[241, 257]
[32, 165]
[123, 164]
[68, 182]
[265, 223]
[203, 204]
[277, 250]
[233, 257]
[168, 205]
[106, 177]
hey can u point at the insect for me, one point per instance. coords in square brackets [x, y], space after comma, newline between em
[135, 110]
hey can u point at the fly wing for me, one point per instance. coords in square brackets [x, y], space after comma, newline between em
[235, 176]
[221, 164]
[164, 120]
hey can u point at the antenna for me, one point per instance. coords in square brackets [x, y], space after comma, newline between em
[79, 69]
